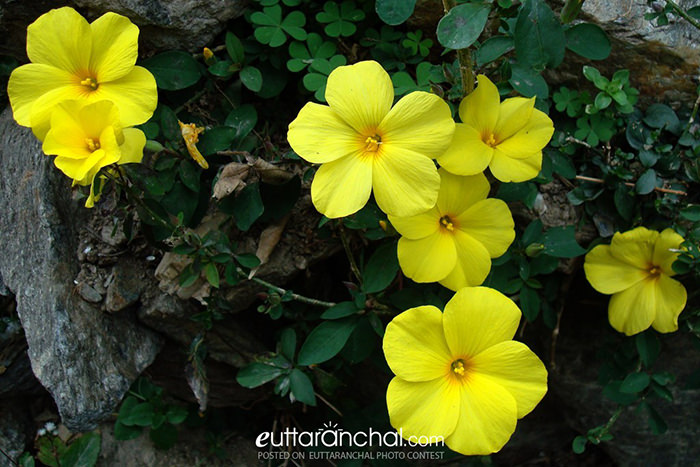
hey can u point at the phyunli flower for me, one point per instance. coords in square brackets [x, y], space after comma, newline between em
[87, 137]
[364, 144]
[72, 59]
[507, 136]
[458, 373]
[636, 270]
[453, 242]
[190, 133]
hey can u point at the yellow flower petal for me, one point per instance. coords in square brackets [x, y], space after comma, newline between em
[609, 275]
[516, 368]
[67, 137]
[93, 118]
[60, 38]
[663, 257]
[671, 298]
[514, 114]
[361, 94]
[135, 95]
[29, 82]
[635, 247]
[418, 226]
[633, 310]
[420, 122]
[427, 259]
[342, 187]
[473, 263]
[405, 183]
[414, 345]
[467, 154]
[480, 109]
[132, 148]
[429, 408]
[459, 193]
[319, 135]
[530, 139]
[114, 46]
[43, 107]
[490, 222]
[487, 419]
[507, 169]
[477, 318]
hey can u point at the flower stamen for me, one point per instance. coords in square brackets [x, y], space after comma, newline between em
[654, 271]
[92, 144]
[458, 367]
[90, 83]
[446, 223]
[373, 143]
[490, 140]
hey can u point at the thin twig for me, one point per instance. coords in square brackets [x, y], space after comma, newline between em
[281, 291]
[682, 13]
[348, 252]
[661, 190]
[464, 57]
[332, 407]
[192, 99]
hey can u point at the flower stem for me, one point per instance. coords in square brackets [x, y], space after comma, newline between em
[660, 190]
[464, 56]
[281, 291]
[348, 252]
[682, 13]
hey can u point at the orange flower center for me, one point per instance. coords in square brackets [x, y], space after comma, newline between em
[654, 271]
[447, 223]
[489, 139]
[372, 143]
[90, 82]
[92, 144]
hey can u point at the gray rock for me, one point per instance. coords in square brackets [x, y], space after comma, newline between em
[126, 286]
[16, 377]
[86, 359]
[88, 293]
[13, 432]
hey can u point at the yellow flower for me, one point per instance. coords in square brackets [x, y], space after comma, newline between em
[453, 242]
[364, 144]
[636, 270]
[72, 59]
[88, 137]
[507, 136]
[458, 373]
[190, 133]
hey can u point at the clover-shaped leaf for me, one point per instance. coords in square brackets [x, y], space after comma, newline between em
[340, 19]
[404, 83]
[316, 79]
[304, 54]
[416, 44]
[272, 30]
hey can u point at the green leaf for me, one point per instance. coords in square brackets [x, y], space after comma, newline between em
[528, 82]
[561, 242]
[216, 139]
[646, 183]
[492, 48]
[180, 200]
[212, 274]
[83, 452]
[251, 78]
[164, 437]
[248, 260]
[648, 158]
[301, 387]
[247, 206]
[26, 460]
[234, 47]
[189, 174]
[579, 444]
[691, 212]
[381, 269]
[538, 35]
[662, 116]
[635, 383]
[140, 414]
[242, 119]
[173, 70]
[361, 343]
[168, 123]
[463, 25]
[222, 69]
[561, 164]
[325, 341]
[589, 41]
[656, 423]
[624, 201]
[256, 374]
[648, 346]
[341, 310]
[612, 392]
[530, 303]
[288, 343]
[176, 414]
[394, 12]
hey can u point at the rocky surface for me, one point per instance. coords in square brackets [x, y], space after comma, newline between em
[85, 358]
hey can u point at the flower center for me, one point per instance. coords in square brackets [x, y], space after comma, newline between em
[372, 143]
[458, 367]
[446, 223]
[92, 144]
[90, 83]
[489, 139]
[654, 271]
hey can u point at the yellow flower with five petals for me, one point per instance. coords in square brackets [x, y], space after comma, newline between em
[453, 242]
[364, 144]
[508, 137]
[636, 269]
[459, 374]
[74, 60]
[87, 137]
